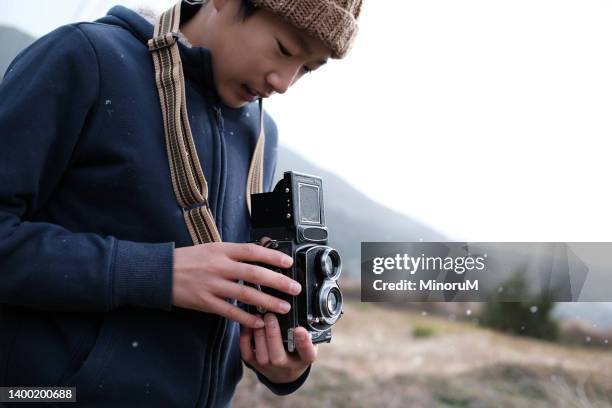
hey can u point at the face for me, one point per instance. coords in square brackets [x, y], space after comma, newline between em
[259, 56]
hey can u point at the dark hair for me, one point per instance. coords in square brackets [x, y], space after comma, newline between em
[247, 9]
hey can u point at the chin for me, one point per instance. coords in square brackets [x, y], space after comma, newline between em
[238, 105]
[231, 100]
[234, 103]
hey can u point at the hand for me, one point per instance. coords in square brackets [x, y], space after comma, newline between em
[205, 275]
[270, 357]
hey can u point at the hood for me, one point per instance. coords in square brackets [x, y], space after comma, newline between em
[196, 61]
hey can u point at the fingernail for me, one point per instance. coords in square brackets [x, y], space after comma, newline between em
[287, 261]
[259, 324]
[284, 307]
[269, 319]
[296, 288]
[304, 336]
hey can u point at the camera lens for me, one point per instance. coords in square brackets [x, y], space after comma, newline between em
[332, 302]
[330, 263]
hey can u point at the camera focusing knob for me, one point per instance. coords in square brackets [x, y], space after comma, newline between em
[267, 242]
[290, 341]
[313, 319]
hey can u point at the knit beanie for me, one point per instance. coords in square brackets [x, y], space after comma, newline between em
[334, 22]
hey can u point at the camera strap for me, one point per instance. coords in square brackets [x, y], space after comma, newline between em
[188, 181]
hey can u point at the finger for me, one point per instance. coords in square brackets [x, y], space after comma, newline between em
[265, 277]
[249, 295]
[229, 311]
[261, 350]
[274, 341]
[246, 348]
[306, 350]
[258, 253]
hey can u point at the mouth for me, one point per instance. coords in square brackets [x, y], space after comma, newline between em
[253, 93]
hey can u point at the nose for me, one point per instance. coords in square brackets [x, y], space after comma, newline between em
[281, 80]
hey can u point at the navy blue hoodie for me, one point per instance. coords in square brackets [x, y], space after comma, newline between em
[89, 221]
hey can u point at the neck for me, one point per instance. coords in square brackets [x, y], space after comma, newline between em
[195, 30]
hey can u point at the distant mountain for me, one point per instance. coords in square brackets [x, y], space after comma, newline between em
[598, 314]
[353, 217]
[13, 41]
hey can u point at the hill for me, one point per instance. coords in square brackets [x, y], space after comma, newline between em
[397, 358]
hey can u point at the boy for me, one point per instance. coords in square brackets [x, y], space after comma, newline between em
[101, 286]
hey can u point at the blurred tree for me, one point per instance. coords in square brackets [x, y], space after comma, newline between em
[531, 317]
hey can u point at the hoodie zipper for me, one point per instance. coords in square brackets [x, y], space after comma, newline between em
[222, 326]
[216, 355]
[223, 171]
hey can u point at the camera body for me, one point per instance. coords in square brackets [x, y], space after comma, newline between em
[291, 219]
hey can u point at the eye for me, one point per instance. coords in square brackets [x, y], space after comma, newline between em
[282, 49]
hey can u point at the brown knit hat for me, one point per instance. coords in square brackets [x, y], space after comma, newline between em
[332, 21]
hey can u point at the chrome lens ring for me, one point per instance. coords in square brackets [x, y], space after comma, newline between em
[329, 296]
[330, 263]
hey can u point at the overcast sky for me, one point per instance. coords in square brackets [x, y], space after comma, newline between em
[487, 120]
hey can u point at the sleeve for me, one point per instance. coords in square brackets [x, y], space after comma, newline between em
[45, 98]
[285, 388]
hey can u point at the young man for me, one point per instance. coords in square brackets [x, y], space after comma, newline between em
[101, 286]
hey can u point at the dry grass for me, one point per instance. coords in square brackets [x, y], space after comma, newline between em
[375, 360]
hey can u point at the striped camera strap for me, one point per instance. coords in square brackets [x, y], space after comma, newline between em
[188, 180]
